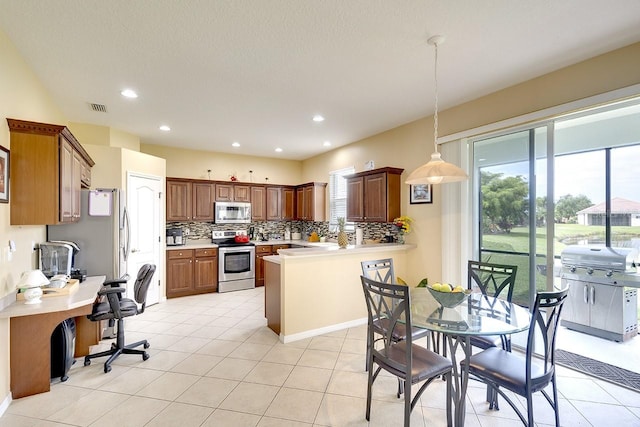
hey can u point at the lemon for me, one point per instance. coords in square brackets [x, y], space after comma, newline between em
[400, 281]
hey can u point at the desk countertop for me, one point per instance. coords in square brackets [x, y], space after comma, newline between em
[86, 294]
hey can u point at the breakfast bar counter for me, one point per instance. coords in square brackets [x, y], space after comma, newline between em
[318, 288]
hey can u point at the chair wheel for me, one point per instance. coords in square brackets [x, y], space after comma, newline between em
[147, 345]
[87, 362]
[145, 356]
[107, 369]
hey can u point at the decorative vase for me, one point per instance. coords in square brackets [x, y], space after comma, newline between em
[343, 239]
[401, 238]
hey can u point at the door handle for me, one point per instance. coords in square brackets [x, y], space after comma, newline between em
[585, 294]
[593, 295]
[134, 251]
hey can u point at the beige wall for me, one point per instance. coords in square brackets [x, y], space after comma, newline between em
[194, 164]
[410, 146]
[104, 135]
[23, 97]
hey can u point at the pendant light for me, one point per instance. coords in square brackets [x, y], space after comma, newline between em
[436, 171]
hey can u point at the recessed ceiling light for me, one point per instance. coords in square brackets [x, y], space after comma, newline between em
[129, 93]
[318, 118]
[165, 128]
[278, 150]
[327, 143]
[235, 144]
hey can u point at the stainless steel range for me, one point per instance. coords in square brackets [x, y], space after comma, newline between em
[236, 260]
[603, 294]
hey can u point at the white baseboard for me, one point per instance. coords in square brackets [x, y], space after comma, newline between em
[320, 331]
[5, 404]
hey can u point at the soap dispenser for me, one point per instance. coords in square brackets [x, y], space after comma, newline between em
[287, 234]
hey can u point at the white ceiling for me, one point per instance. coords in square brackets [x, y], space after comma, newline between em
[256, 71]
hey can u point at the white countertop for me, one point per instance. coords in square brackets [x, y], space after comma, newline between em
[86, 294]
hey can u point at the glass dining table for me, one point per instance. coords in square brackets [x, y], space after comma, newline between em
[476, 315]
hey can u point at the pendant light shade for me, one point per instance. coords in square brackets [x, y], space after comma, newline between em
[436, 171]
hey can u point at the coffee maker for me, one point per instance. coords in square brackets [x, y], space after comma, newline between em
[57, 257]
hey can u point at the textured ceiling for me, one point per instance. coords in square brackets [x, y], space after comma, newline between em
[257, 71]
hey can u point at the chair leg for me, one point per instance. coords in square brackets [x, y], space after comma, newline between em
[530, 409]
[556, 408]
[407, 404]
[449, 378]
[369, 386]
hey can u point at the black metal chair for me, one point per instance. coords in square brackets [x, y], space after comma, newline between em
[525, 375]
[111, 305]
[496, 280]
[381, 270]
[410, 363]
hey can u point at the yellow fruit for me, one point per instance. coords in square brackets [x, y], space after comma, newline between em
[458, 289]
[445, 288]
[436, 286]
[400, 281]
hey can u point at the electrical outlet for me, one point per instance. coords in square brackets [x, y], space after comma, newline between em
[187, 231]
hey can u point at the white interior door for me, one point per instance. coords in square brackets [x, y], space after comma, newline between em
[143, 205]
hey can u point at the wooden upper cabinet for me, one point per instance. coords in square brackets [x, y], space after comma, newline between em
[311, 201]
[288, 203]
[224, 192]
[274, 203]
[355, 199]
[258, 203]
[374, 196]
[203, 194]
[46, 173]
[179, 200]
[241, 193]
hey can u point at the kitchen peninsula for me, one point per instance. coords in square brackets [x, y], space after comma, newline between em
[314, 290]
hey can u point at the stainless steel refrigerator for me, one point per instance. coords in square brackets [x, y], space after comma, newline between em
[102, 233]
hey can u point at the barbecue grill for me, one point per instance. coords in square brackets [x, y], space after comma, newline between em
[603, 294]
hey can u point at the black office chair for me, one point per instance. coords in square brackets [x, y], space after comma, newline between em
[525, 375]
[381, 270]
[410, 363]
[114, 306]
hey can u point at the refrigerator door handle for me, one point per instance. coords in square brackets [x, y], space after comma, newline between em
[127, 226]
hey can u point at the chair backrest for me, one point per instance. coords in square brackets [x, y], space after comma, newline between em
[494, 280]
[545, 319]
[380, 270]
[141, 285]
[392, 303]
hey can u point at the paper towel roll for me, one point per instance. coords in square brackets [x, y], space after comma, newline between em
[358, 236]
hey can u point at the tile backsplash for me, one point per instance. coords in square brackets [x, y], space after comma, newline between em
[276, 229]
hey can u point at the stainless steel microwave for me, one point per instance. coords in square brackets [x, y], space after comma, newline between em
[232, 212]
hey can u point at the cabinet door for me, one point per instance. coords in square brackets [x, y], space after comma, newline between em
[288, 203]
[300, 214]
[261, 252]
[576, 308]
[206, 274]
[203, 198]
[274, 203]
[76, 185]
[85, 174]
[242, 193]
[601, 299]
[308, 203]
[224, 193]
[179, 277]
[66, 181]
[258, 204]
[179, 201]
[355, 199]
[375, 197]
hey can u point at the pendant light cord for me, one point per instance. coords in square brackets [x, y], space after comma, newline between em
[435, 113]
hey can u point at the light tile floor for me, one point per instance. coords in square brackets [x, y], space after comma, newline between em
[215, 363]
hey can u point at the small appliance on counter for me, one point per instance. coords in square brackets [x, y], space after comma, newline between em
[57, 257]
[175, 237]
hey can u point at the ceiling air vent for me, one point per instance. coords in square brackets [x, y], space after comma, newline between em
[101, 108]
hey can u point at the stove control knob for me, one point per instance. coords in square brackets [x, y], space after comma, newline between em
[589, 271]
[609, 273]
[573, 269]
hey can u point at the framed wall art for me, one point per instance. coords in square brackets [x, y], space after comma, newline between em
[420, 193]
[4, 175]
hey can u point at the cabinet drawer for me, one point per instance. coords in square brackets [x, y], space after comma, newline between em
[180, 254]
[276, 247]
[263, 249]
[206, 252]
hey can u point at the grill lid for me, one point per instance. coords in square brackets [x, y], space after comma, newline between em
[600, 257]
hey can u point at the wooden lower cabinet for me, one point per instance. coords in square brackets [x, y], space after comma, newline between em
[191, 271]
[261, 252]
[272, 296]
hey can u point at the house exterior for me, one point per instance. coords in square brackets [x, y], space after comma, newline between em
[623, 213]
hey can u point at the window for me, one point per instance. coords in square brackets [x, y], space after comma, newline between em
[338, 197]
